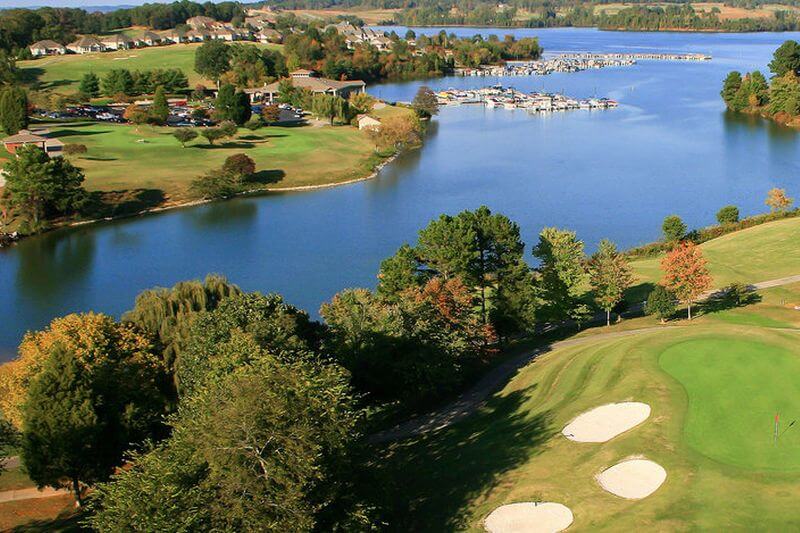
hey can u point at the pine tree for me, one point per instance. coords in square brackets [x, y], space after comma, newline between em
[159, 113]
[64, 439]
[90, 85]
[13, 110]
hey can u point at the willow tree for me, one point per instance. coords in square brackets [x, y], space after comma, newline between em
[166, 314]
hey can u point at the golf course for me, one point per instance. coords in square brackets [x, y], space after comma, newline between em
[63, 74]
[714, 386]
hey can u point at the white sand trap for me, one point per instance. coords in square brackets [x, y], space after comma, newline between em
[606, 422]
[529, 517]
[633, 479]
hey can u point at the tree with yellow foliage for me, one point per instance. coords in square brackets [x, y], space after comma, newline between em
[93, 339]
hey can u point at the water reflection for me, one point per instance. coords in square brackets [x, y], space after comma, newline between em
[239, 214]
[53, 263]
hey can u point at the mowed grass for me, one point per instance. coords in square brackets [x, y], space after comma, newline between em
[147, 158]
[735, 387]
[760, 253]
[63, 73]
[512, 449]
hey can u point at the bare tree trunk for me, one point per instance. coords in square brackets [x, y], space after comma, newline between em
[689, 309]
[76, 488]
[608, 317]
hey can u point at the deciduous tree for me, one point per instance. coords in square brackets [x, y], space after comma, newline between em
[778, 200]
[212, 60]
[610, 276]
[673, 228]
[562, 271]
[686, 273]
[425, 103]
[728, 215]
[184, 135]
[661, 303]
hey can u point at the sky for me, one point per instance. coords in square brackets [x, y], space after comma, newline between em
[79, 3]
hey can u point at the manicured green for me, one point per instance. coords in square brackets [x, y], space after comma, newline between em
[735, 387]
[63, 73]
[760, 253]
[125, 158]
[511, 450]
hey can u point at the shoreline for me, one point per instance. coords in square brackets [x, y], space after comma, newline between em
[194, 203]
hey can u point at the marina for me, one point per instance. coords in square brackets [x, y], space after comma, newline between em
[574, 62]
[510, 98]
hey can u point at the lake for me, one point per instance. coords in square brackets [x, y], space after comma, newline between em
[669, 148]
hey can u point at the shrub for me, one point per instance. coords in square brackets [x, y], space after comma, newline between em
[239, 165]
[75, 149]
[214, 185]
[728, 215]
[254, 123]
[660, 303]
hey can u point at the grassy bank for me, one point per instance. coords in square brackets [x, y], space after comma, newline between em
[754, 254]
[63, 73]
[131, 168]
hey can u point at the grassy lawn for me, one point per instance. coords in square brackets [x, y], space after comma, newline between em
[755, 254]
[14, 478]
[63, 73]
[44, 514]
[148, 163]
[710, 429]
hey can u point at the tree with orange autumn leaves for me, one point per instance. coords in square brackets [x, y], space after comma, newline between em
[93, 338]
[412, 348]
[686, 273]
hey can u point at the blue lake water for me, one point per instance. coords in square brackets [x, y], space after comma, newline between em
[669, 148]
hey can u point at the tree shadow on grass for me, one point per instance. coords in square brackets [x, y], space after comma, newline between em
[66, 522]
[728, 298]
[81, 133]
[427, 484]
[226, 145]
[94, 158]
[266, 177]
[121, 203]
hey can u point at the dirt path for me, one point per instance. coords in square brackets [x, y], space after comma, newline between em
[476, 396]
[30, 494]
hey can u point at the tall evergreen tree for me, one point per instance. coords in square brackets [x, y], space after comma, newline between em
[13, 110]
[730, 87]
[90, 85]
[64, 440]
[159, 113]
[786, 59]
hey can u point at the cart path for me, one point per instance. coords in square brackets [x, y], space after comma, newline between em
[476, 396]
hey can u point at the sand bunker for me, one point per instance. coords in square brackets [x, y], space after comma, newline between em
[633, 479]
[529, 517]
[606, 422]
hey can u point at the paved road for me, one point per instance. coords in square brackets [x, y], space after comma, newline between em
[475, 397]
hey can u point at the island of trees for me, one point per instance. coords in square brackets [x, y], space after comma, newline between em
[777, 99]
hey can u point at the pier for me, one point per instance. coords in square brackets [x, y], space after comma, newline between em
[574, 62]
[510, 98]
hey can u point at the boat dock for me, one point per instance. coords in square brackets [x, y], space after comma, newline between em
[574, 62]
[510, 98]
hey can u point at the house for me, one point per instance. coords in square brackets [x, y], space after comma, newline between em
[86, 44]
[366, 122]
[268, 35]
[53, 147]
[117, 42]
[150, 38]
[226, 34]
[201, 23]
[307, 79]
[353, 35]
[197, 36]
[174, 36]
[47, 48]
